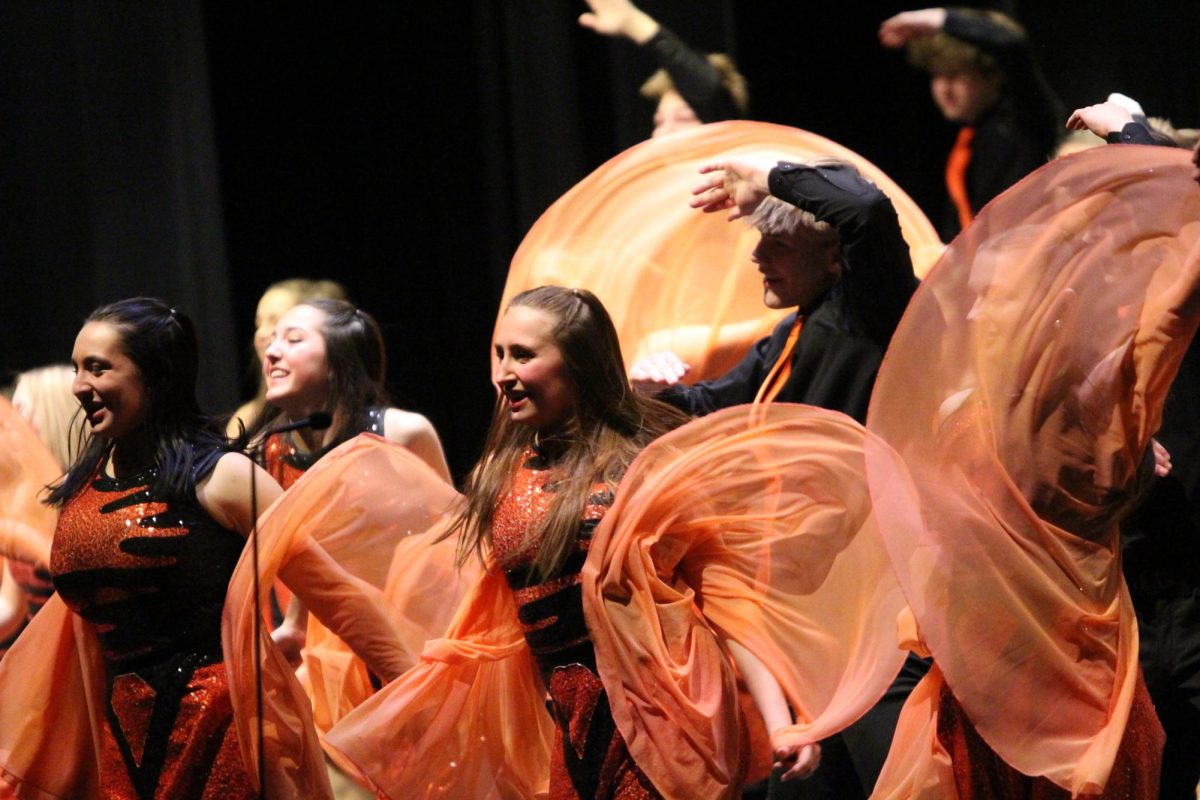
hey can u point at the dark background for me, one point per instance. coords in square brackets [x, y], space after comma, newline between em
[200, 151]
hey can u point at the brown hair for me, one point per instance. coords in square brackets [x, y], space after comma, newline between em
[356, 363]
[609, 426]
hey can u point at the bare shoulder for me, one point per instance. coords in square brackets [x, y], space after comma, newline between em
[406, 427]
[225, 492]
[417, 433]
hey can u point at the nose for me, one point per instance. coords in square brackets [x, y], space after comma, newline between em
[501, 372]
[756, 255]
[80, 386]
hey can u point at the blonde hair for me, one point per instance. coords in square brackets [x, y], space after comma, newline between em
[306, 289]
[43, 397]
[732, 82]
[779, 218]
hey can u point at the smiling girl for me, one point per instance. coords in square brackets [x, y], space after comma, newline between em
[471, 717]
[153, 519]
[327, 355]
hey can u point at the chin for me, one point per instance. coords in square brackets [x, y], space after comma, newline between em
[774, 301]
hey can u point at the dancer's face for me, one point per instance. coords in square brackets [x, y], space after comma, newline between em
[964, 96]
[673, 114]
[796, 269]
[294, 364]
[107, 383]
[271, 306]
[529, 369]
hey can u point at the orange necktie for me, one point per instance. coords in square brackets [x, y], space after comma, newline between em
[782, 370]
[956, 175]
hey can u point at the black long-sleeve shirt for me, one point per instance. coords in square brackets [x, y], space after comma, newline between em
[1018, 134]
[845, 332]
[697, 81]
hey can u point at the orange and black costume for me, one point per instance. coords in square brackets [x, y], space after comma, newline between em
[149, 574]
[591, 760]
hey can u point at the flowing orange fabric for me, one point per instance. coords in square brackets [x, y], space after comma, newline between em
[752, 524]
[51, 707]
[1020, 393]
[671, 277]
[26, 467]
[469, 721]
[366, 533]
[361, 499]
[956, 175]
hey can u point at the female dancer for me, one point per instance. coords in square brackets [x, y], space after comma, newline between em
[274, 303]
[470, 720]
[151, 525]
[327, 355]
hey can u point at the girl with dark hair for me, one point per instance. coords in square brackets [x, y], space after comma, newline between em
[327, 355]
[153, 519]
[471, 717]
[274, 303]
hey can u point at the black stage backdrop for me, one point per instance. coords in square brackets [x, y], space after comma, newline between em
[201, 151]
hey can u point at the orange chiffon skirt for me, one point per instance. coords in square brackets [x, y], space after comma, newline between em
[980, 774]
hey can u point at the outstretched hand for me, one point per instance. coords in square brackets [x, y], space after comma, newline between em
[619, 18]
[1101, 118]
[736, 184]
[653, 373]
[897, 31]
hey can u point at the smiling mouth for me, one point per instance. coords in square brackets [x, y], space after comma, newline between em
[515, 397]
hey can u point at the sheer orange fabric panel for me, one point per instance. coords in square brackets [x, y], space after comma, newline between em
[26, 467]
[1020, 392]
[51, 704]
[469, 721]
[359, 501]
[752, 524]
[368, 531]
[672, 277]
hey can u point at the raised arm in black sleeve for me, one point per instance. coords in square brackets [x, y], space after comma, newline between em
[1132, 133]
[877, 276]
[1031, 94]
[696, 80]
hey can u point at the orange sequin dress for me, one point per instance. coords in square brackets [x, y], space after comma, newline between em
[150, 576]
[593, 760]
[287, 463]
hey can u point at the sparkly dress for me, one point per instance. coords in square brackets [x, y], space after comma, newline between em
[593, 760]
[980, 774]
[149, 575]
[287, 463]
